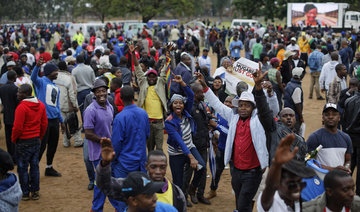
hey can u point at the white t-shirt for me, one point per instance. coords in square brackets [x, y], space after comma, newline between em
[278, 205]
[296, 96]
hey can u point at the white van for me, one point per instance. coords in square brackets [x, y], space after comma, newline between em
[243, 22]
[352, 19]
[85, 28]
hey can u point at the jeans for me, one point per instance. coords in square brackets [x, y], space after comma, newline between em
[51, 139]
[156, 136]
[219, 160]
[315, 83]
[278, 94]
[88, 164]
[245, 184]
[27, 151]
[188, 174]
[177, 163]
[99, 197]
[81, 98]
[247, 55]
[10, 146]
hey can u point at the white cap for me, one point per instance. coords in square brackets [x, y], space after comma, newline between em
[245, 96]
[297, 72]
[293, 39]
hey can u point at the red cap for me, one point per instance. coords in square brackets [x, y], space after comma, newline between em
[121, 38]
[151, 71]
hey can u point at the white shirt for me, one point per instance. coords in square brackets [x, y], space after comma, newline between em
[293, 48]
[296, 96]
[327, 74]
[205, 62]
[278, 205]
[174, 34]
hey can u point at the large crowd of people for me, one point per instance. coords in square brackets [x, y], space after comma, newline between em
[129, 89]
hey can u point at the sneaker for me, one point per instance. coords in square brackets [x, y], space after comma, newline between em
[227, 167]
[211, 194]
[310, 97]
[25, 197]
[77, 145]
[320, 98]
[35, 195]
[52, 172]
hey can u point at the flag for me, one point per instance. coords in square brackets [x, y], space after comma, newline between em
[168, 75]
[212, 162]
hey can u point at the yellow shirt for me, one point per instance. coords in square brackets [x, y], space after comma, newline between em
[166, 197]
[280, 55]
[304, 45]
[152, 104]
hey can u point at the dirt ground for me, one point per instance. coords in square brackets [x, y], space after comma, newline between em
[69, 192]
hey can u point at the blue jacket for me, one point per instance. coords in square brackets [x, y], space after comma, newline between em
[186, 74]
[48, 93]
[346, 55]
[131, 128]
[315, 61]
[172, 123]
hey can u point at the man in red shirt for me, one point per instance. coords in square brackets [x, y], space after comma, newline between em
[30, 125]
[245, 143]
[115, 87]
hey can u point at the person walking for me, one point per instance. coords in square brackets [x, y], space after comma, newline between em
[314, 62]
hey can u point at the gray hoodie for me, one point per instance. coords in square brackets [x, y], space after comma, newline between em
[10, 193]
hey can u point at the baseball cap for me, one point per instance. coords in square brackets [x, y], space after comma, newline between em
[297, 72]
[288, 53]
[205, 49]
[330, 106]
[98, 84]
[151, 71]
[139, 183]
[293, 39]
[299, 169]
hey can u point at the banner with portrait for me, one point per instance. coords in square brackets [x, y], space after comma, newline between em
[314, 14]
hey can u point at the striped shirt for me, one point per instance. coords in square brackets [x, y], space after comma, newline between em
[272, 75]
[186, 137]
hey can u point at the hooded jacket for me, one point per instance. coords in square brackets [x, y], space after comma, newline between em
[30, 120]
[10, 193]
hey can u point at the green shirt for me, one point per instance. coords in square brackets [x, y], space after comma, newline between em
[256, 50]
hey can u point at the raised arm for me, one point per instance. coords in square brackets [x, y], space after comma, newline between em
[110, 186]
[213, 100]
[283, 155]
[187, 90]
[35, 73]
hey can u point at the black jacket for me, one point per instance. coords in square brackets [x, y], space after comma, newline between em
[201, 118]
[276, 130]
[351, 121]
[9, 101]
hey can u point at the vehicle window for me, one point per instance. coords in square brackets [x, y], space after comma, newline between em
[354, 18]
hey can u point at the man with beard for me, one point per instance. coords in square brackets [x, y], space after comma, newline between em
[337, 147]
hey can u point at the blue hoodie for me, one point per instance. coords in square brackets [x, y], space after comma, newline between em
[10, 193]
[48, 93]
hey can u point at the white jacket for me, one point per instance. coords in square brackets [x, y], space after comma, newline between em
[327, 74]
[257, 130]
